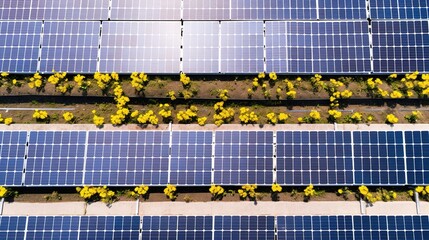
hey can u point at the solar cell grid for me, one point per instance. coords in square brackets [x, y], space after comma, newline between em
[320, 158]
[243, 157]
[342, 9]
[52, 227]
[323, 47]
[109, 227]
[400, 46]
[393, 9]
[70, 47]
[19, 46]
[417, 157]
[12, 227]
[146, 10]
[15, 10]
[12, 153]
[127, 158]
[379, 158]
[151, 47]
[244, 227]
[206, 10]
[55, 158]
[191, 158]
[177, 227]
[242, 48]
[69, 9]
[201, 47]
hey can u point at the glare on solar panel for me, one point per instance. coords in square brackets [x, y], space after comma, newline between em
[400, 46]
[146, 10]
[151, 47]
[206, 10]
[342, 9]
[12, 154]
[69, 10]
[201, 47]
[70, 47]
[19, 46]
[15, 10]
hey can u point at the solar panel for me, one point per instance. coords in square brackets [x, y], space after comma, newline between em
[151, 47]
[379, 158]
[191, 158]
[242, 47]
[273, 9]
[319, 158]
[417, 157]
[55, 158]
[206, 10]
[52, 227]
[15, 10]
[400, 46]
[177, 227]
[321, 47]
[146, 10]
[69, 10]
[243, 157]
[109, 227]
[201, 46]
[127, 158]
[19, 46]
[12, 153]
[342, 9]
[393, 9]
[244, 227]
[12, 227]
[70, 47]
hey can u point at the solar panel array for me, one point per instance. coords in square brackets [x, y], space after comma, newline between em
[215, 227]
[202, 158]
[219, 36]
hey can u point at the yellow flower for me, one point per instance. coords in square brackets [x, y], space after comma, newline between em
[391, 118]
[68, 116]
[4, 74]
[363, 190]
[261, 75]
[8, 121]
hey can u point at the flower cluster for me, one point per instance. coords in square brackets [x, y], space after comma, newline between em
[140, 191]
[313, 117]
[354, 118]
[385, 195]
[60, 81]
[188, 116]
[97, 120]
[37, 82]
[202, 121]
[309, 192]
[185, 80]
[105, 81]
[423, 192]
[170, 192]
[290, 90]
[366, 195]
[247, 116]
[334, 115]
[41, 116]
[272, 76]
[316, 82]
[139, 81]
[148, 117]
[69, 117]
[391, 119]
[82, 83]
[374, 88]
[413, 116]
[171, 95]
[247, 191]
[276, 188]
[93, 194]
[344, 192]
[186, 94]
[217, 192]
[422, 86]
[222, 94]
[273, 118]
[7, 193]
[6, 121]
[165, 112]
[222, 115]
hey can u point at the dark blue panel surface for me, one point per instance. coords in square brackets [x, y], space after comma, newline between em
[417, 157]
[321, 47]
[55, 158]
[206, 10]
[12, 154]
[177, 227]
[242, 47]
[109, 227]
[201, 47]
[69, 10]
[52, 227]
[15, 10]
[243, 157]
[146, 10]
[244, 227]
[394, 9]
[70, 47]
[273, 9]
[400, 46]
[379, 158]
[319, 158]
[12, 227]
[127, 158]
[151, 47]
[19, 46]
[342, 9]
[191, 158]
